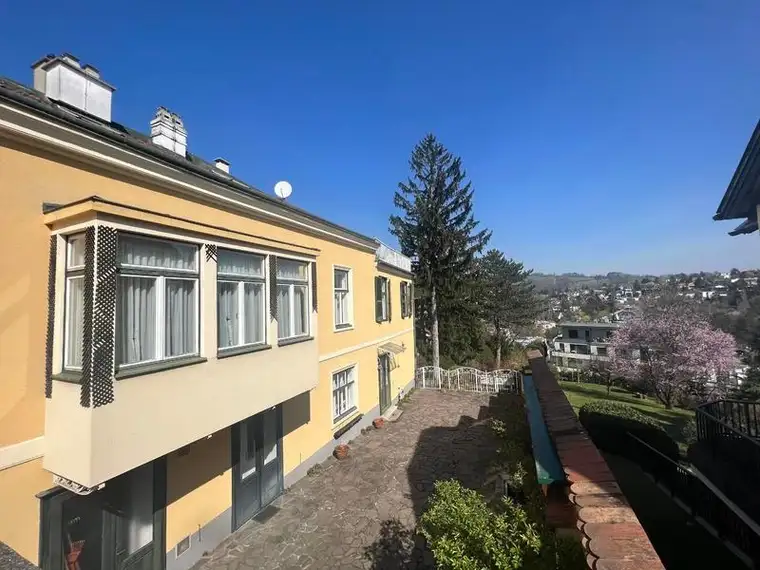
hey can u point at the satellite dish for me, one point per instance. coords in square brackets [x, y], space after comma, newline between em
[283, 189]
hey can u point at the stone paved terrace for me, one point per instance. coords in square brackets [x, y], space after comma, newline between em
[361, 512]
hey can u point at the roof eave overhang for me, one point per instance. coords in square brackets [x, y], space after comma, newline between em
[743, 193]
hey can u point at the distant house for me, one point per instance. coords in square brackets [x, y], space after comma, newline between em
[581, 343]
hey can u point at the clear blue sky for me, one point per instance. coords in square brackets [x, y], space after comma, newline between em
[599, 135]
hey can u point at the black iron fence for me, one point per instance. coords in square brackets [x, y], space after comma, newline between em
[726, 428]
[737, 414]
[700, 499]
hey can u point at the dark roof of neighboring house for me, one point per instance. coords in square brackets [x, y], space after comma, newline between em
[590, 325]
[743, 193]
[135, 140]
[11, 560]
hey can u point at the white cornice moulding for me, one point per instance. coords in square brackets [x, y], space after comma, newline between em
[18, 453]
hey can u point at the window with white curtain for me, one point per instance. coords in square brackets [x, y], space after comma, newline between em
[292, 298]
[343, 305]
[345, 399]
[157, 308]
[74, 303]
[240, 299]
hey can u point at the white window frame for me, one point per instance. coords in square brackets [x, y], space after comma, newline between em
[240, 281]
[385, 298]
[292, 284]
[354, 367]
[349, 324]
[161, 274]
[72, 272]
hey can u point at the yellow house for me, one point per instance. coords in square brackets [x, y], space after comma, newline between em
[176, 347]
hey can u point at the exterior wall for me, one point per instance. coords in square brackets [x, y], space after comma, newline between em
[199, 491]
[20, 521]
[199, 477]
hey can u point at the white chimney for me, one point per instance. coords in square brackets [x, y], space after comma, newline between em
[64, 79]
[222, 164]
[168, 131]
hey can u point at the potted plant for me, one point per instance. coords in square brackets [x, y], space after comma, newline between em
[378, 423]
[341, 451]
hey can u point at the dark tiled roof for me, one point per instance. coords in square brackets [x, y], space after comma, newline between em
[126, 136]
[11, 560]
[611, 533]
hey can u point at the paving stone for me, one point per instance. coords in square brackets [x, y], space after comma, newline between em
[361, 513]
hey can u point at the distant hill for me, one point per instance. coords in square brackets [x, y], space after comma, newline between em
[553, 281]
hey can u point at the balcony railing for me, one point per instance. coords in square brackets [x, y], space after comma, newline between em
[739, 415]
[729, 523]
[729, 428]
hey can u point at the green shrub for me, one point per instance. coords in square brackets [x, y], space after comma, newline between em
[464, 533]
[609, 423]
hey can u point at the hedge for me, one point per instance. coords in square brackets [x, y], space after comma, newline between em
[608, 424]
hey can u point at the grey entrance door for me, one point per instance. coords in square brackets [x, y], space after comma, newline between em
[120, 527]
[257, 473]
[384, 379]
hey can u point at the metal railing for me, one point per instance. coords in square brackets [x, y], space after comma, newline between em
[731, 524]
[740, 415]
[467, 379]
[726, 430]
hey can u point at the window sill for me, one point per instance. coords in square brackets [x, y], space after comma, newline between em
[341, 419]
[345, 426]
[151, 367]
[73, 376]
[342, 328]
[295, 340]
[238, 350]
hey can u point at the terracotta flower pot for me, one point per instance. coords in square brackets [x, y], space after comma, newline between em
[378, 423]
[341, 451]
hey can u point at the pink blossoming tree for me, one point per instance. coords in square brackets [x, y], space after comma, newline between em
[671, 352]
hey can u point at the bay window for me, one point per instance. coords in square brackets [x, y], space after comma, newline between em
[240, 299]
[74, 303]
[292, 298]
[342, 291]
[344, 393]
[157, 308]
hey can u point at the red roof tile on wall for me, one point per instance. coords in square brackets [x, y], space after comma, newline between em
[611, 532]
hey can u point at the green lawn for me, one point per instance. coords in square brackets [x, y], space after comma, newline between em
[672, 420]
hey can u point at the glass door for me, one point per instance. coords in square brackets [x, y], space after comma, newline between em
[247, 492]
[271, 482]
[257, 475]
[384, 378]
[120, 527]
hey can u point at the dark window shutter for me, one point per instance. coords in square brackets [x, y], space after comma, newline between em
[378, 299]
[314, 286]
[402, 293]
[388, 292]
[410, 289]
[273, 287]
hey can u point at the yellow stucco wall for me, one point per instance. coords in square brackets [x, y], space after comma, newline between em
[20, 509]
[198, 486]
[29, 177]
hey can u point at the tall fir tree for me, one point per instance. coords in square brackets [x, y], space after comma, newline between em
[509, 299]
[437, 229]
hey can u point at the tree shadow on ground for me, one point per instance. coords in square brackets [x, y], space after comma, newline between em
[396, 547]
[464, 452]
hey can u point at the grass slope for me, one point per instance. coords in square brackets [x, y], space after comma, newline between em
[673, 420]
